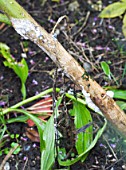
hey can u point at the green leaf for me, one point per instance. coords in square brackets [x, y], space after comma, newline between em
[22, 118]
[113, 10]
[47, 155]
[1, 153]
[119, 94]
[20, 68]
[23, 90]
[40, 125]
[124, 19]
[121, 104]
[2, 132]
[12, 136]
[123, 1]
[106, 68]
[124, 25]
[6, 151]
[82, 118]
[98, 135]
[17, 150]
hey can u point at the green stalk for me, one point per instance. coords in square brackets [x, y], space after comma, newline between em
[5, 19]
[29, 100]
[4, 111]
[12, 9]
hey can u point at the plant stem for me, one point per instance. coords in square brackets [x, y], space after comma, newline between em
[5, 19]
[29, 100]
[12, 9]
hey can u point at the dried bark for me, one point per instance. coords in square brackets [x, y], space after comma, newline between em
[27, 27]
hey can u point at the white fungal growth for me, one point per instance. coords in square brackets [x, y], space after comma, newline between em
[89, 102]
[110, 93]
[29, 30]
[24, 26]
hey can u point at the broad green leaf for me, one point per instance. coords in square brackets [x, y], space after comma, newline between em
[113, 10]
[18, 149]
[119, 94]
[124, 19]
[6, 151]
[98, 135]
[124, 25]
[47, 155]
[106, 68]
[121, 104]
[20, 68]
[82, 118]
[123, 1]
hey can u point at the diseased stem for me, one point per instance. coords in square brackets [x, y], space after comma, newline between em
[27, 27]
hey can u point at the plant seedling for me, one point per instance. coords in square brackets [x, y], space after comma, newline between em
[107, 71]
[13, 144]
[20, 68]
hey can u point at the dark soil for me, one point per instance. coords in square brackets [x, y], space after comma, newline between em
[98, 40]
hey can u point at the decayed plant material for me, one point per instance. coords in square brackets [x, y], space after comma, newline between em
[27, 27]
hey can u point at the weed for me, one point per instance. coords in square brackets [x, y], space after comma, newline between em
[20, 68]
[47, 132]
[107, 72]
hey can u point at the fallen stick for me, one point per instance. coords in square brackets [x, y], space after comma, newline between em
[27, 27]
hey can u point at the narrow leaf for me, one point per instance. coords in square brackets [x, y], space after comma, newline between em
[119, 94]
[121, 104]
[47, 155]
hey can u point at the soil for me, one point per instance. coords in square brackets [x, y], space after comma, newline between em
[89, 39]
